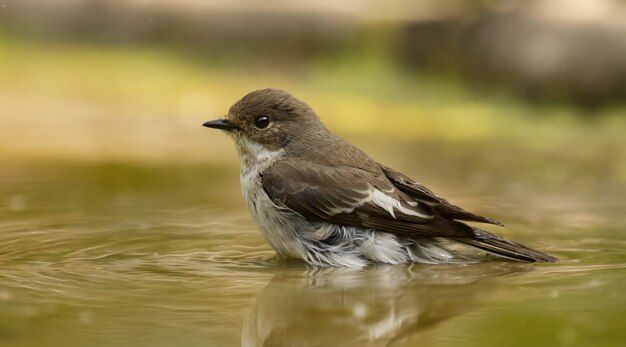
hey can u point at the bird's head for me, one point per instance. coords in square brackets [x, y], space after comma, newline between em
[268, 120]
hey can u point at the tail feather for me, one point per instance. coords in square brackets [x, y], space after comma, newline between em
[504, 248]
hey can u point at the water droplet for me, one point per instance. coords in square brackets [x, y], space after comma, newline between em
[359, 310]
[554, 293]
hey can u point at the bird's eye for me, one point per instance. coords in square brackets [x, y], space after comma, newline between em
[262, 122]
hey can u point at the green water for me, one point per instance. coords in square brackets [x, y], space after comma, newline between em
[123, 254]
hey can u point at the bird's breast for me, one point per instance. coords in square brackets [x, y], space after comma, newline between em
[277, 226]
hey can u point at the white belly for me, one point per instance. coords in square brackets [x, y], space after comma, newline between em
[280, 228]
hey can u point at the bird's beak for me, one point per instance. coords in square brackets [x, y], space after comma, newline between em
[223, 124]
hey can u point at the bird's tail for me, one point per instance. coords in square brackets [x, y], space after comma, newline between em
[504, 248]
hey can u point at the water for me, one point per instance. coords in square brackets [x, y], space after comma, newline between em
[121, 254]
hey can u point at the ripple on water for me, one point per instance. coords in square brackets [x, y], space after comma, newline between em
[122, 267]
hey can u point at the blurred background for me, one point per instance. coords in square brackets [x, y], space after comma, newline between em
[107, 79]
[514, 109]
[484, 82]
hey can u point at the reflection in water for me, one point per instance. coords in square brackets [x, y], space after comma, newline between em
[375, 307]
[112, 254]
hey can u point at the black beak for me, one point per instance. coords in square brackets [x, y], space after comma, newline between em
[220, 124]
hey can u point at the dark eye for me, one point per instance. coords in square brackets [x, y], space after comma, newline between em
[262, 122]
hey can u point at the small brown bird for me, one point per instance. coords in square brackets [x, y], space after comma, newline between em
[318, 198]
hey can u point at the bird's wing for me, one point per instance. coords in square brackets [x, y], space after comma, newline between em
[423, 194]
[351, 196]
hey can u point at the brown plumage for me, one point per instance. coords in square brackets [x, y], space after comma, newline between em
[337, 193]
[308, 171]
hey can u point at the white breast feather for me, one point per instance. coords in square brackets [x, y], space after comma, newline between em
[274, 224]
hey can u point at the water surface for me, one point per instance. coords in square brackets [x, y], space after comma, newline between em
[122, 254]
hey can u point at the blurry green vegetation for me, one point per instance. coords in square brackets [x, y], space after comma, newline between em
[360, 90]
[78, 101]
[85, 101]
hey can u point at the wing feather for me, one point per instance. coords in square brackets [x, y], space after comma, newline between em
[385, 201]
[351, 196]
[441, 205]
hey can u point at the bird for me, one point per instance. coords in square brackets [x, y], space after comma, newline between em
[318, 198]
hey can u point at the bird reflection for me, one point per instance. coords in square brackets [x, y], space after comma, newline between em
[377, 306]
